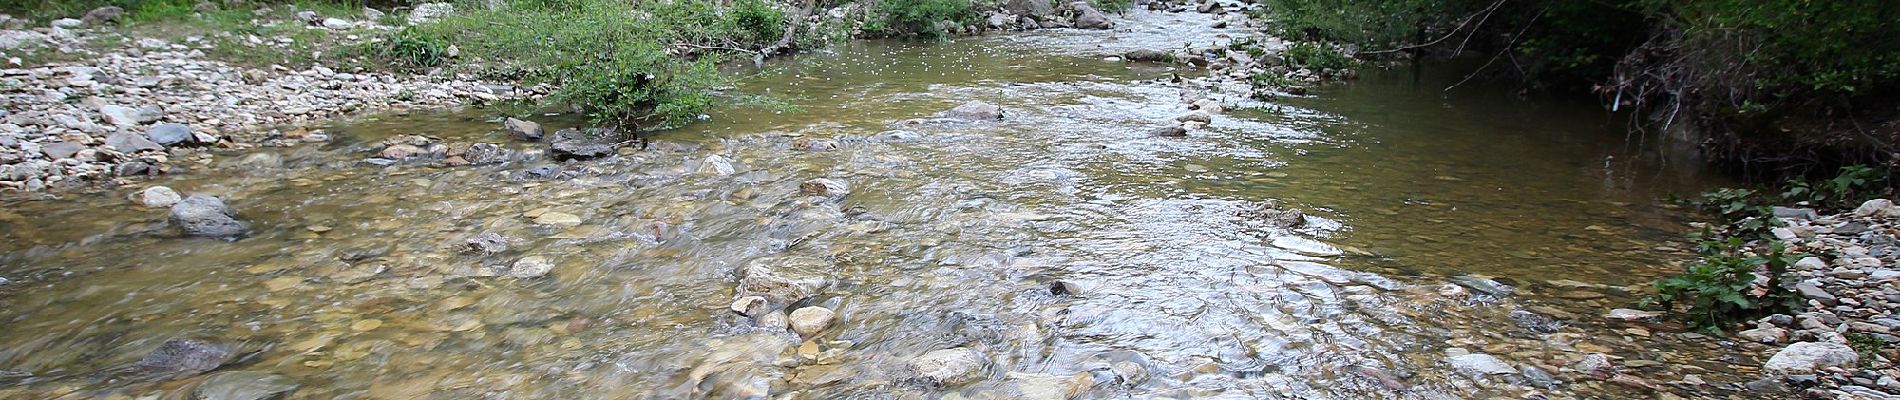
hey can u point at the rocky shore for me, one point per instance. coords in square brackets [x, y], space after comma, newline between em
[133, 109]
[1830, 348]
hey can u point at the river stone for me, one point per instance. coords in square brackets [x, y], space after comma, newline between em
[531, 267]
[487, 243]
[1625, 314]
[182, 357]
[485, 153]
[1480, 363]
[809, 321]
[1537, 376]
[1197, 116]
[127, 142]
[1877, 208]
[774, 320]
[1812, 290]
[60, 150]
[1795, 213]
[1765, 335]
[1483, 285]
[337, 23]
[824, 187]
[1151, 55]
[557, 219]
[169, 134]
[1808, 357]
[244, 385]
[948, 366]
[103, 15]
[975, 111]
[202, 215]
[573, 144]
[783, 280]
[715, 165]
[68, 23]
[158, 196]
[523, 130]
[1169, 131]
[751, 306]
[1087, 17]
[119, 115]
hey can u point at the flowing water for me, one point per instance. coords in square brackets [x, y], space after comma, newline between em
[356, 283]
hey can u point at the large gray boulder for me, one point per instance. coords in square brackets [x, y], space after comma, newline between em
[573, 144]
[784, 280]
[207, 216]
[1808, 357]
[1033, 8]
[128, 143]
[975, 111]
[1087, 17]
[169, 135]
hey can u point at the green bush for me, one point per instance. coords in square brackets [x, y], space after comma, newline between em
[919, 17]
[1855, 184]
[410, 49]
[758, 23]
[1113, 6]
[1317, 57]
[640, 86]
[1719, 288]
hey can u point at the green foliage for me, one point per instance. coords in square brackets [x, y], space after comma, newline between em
[1113, 6]
[1867, 346]
[411, 49]
[1359, 22]
[1739, 213]
[919, 17]
[639, 86]
[1720, 288]
[1842, 46]
[758, 22]
[1317, 57]
[1855, 184]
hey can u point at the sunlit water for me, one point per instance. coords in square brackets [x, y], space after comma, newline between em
[949, 238]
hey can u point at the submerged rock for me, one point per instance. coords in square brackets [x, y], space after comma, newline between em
[948, 366]
[201, 215]
[531, 267]
[244, 385]
[824, 187]
[1169, 131]
[783, 280]
[1150, 55]
[183, 357]
[975, 111]
[487, 243]
[573, 144]
[1480, 363]
[158, 196]
[1483, 285]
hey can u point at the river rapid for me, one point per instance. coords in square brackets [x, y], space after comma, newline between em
[1062, 251]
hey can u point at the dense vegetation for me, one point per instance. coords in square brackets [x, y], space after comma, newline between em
[1795, 85]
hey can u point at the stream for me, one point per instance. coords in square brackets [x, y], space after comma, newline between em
[1071, 252]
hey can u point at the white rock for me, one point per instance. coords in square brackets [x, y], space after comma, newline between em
[531, 267]
[809, 321]
[1807, 357]
[158, 196]
[715, 165]
[68, 23]
[337, 23]
[1480, 363]
[1631, 315]
[948, 366]
[429, 12]
[1877, 208]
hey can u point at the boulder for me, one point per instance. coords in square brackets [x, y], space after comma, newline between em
[1149, 55]
[975, 111]
[485, 153]
[429, 12]
[1030, 8]
[158, 196]
[103, 15]
[487, 243]
[1877, 208]
[60, 150]
[1087, 17]
[202, 215]
[715, 165]
[523, 130]
[169, 135]
[1169, 131]
[244, 385]
[68, 23]
[1197, 116]
[751, 306]
[1795, 213]
[783, 279]
[183, 357]
[1809, 357]
[948, 366]
[337, 23]
[119, 115]
[129, 143]
[573, 144]
[809, 321]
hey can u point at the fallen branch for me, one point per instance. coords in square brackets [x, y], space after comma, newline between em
[791, 31]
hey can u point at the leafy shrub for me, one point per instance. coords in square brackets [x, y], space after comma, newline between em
[1316, 57]
[757, 22]
[1721, 287]
[1113, 6]
[411, 49]
[1739, 213]
[1854, 185]
[919, 17]
[640, 86]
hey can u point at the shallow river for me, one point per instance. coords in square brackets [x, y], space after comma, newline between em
[356, 283]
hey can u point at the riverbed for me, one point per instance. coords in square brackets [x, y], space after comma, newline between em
[1068, 248]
